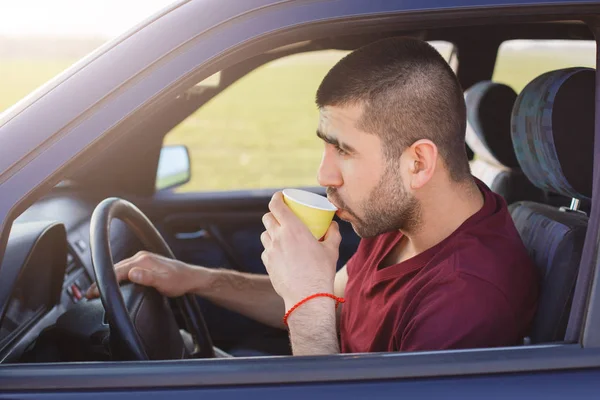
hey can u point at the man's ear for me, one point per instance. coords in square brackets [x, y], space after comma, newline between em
[422, 157]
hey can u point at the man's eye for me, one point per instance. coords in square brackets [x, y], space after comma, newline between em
[340, 151]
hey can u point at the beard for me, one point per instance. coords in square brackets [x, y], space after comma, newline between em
[389, 207]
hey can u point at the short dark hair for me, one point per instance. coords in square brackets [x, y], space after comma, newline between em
[409, 92]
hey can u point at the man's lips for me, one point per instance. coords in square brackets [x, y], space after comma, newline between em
[340, 211]
[336, 206]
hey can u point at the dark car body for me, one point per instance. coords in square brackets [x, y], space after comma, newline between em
[81, 126]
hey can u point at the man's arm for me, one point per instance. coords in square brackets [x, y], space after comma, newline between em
[253, 295]
[249, 294]
[313, 326]
[300, 266]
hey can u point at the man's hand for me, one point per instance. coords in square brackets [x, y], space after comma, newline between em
[299, 266]
[297, 263]
[171, 278]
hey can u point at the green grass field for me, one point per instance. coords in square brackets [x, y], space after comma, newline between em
[260, 132]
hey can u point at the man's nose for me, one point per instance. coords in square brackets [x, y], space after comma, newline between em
[329, 174]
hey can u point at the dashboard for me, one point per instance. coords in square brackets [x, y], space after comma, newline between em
[47, 267]
[35, 256]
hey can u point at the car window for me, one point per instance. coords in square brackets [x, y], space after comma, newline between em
[260, 132]
[520, 61]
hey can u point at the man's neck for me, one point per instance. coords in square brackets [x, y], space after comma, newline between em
[443, 210]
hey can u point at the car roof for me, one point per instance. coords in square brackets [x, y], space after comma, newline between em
[425, 3]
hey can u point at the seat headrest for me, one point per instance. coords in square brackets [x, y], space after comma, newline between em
[553, 131]
[489, 107]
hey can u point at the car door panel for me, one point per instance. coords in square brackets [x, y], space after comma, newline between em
[546, 385]
[194, 222]
[218, 239]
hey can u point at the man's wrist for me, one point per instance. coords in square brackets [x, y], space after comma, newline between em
[201, 279]
[312, 308]
[299, 295]
[313, 327]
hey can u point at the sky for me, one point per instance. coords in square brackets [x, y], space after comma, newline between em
[104, 18]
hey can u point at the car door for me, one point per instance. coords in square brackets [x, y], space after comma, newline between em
[31, 163]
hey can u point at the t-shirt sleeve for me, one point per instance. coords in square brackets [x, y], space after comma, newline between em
[461, 312]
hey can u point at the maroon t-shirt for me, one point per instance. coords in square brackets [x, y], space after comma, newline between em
[476, 288]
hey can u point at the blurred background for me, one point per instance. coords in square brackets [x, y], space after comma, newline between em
[259, 132]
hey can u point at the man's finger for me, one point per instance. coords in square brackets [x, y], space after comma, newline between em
[265, 239]
[92, 292]
[142, 276]
[145, 260]
[332, 237]
[281, 211]
[270, 222]
[264, 259]
[122, 269]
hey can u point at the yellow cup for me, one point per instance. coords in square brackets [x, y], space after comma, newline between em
[315, 211]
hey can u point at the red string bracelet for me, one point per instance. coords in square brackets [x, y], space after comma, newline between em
[338, 300]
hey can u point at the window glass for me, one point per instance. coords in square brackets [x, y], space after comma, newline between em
[520, 61]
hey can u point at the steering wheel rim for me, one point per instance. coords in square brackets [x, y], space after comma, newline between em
[110, 294]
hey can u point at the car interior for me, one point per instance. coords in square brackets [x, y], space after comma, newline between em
[535, 148]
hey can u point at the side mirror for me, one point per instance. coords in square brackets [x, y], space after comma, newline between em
[173, 167]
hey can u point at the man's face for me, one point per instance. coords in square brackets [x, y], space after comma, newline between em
[367, 188]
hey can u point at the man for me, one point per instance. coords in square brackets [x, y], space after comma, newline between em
[440, 265]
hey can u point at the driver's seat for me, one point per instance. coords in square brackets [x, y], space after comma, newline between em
[553, 134]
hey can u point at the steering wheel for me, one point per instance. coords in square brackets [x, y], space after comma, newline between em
[143, 327]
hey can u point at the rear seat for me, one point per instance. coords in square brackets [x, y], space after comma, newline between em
[489, 107]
